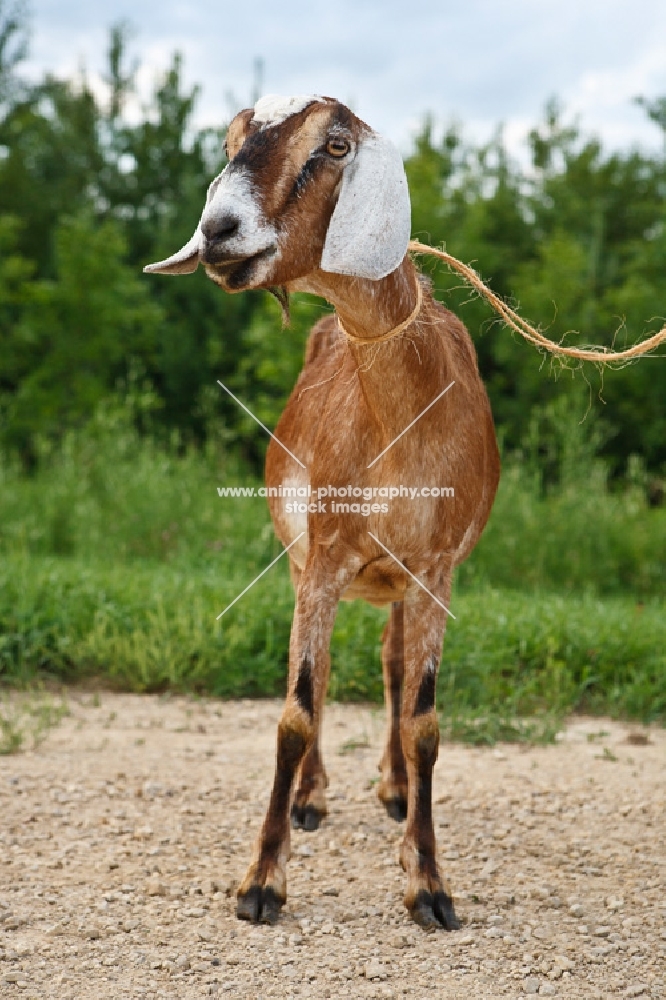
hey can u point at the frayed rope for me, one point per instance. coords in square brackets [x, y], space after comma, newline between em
[521, 326]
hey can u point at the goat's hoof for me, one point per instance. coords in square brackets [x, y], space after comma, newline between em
[434, 911]
[259, 905]
[396, 808]
[306, 818]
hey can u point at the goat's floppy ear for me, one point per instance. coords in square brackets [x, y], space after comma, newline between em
[370, 227]
[184, 262]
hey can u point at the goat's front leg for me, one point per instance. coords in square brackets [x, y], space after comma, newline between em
[392, 789]
[428, 896]
[263, 891]
[309, 807]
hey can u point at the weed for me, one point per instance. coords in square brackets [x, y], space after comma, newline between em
[493, 727]
[351, 745]
[11, 737]
[26, 719]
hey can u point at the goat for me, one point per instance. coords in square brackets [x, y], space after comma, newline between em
[313, 200]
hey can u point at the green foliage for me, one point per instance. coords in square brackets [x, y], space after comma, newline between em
[15, 275]
[75, 332]
[109, 490]
[13, 42]
[558, 523]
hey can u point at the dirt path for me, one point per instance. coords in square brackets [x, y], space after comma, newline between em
[122, 835]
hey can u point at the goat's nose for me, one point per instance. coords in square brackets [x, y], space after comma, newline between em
[220, 228]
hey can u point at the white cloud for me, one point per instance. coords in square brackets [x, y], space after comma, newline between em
[485, 62]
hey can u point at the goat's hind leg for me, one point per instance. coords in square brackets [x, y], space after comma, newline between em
[392, 789]
[309, 806]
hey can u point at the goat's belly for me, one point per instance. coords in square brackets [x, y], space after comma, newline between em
[378, 594]
[380, 582]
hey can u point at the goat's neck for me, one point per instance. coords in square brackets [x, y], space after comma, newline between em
[400, 376]
[367, 309]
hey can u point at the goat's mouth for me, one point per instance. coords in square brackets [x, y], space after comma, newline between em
[237, 271]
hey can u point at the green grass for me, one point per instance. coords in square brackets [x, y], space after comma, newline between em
[508, 655]
[117, 555]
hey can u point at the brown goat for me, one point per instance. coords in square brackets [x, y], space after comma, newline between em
[313, 200]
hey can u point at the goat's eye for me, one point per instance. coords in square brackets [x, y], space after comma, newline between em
[337, 147]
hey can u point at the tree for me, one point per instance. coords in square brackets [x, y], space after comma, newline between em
[75, 333]
[13, 47]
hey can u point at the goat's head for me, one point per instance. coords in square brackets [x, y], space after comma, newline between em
[308, 186]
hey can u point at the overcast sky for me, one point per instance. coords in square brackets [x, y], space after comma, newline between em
[482, 62]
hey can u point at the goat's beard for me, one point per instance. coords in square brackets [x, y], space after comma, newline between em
[282, 295]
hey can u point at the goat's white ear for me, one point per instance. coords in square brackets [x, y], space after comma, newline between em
[370, 227]
[186, 260]
[183, 262]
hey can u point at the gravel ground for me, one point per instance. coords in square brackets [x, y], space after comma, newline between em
[122, 837]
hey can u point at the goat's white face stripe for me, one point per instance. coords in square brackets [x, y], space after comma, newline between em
[234, 195]
[273, 109]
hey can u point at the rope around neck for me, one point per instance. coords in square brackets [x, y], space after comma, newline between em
[396, 329]
[521, 326]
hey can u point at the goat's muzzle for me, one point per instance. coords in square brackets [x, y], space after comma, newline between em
[230, 269]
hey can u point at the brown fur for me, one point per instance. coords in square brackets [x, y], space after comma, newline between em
[351, 400]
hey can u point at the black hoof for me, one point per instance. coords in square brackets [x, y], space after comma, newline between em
[260, 906]
[397, 809]
[305, 818]
[434, 912]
